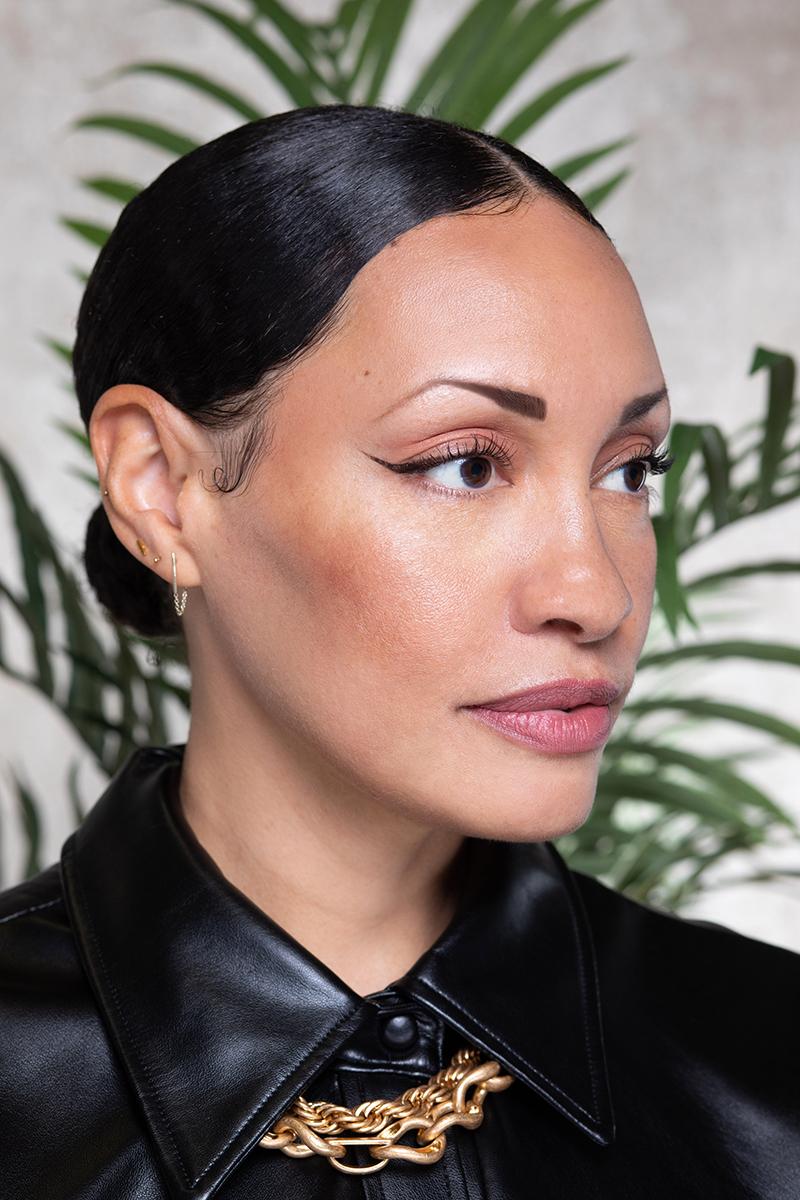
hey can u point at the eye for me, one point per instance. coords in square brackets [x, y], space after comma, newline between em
[471, 464]
[641, 466]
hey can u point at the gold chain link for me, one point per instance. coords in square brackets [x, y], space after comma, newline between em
[316, 1127]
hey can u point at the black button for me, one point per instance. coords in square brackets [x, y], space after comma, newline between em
[399, 1031]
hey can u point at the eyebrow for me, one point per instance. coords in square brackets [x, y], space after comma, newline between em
[535, 407]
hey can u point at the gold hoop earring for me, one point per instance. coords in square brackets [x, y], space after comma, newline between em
[180, 604]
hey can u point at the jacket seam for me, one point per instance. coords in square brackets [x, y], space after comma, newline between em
[23, 912]
[514, 1054]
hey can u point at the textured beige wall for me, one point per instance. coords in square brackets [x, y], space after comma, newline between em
[708, 223]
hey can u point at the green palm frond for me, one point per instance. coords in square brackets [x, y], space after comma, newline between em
[77, 804]
[534, 110]
[569, 167]
[28, 807]
[60, 348]
[298, 83]
[95, 235]
[760, 468]
[776, 652]
[98, 681]
[113, 189]
[150, 132]
[470, 42]
[196, 81]
[508, 49]
[705, 708]
[594, 196]
[713, 580]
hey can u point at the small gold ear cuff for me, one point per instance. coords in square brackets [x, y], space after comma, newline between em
[142, 546]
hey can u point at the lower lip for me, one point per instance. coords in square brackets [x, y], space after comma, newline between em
[552, 729]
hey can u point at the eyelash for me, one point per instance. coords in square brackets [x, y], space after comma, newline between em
[659, 462]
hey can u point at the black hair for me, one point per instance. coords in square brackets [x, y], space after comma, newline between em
[235, 261]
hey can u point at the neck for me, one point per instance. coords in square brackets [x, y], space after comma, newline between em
[361, 885]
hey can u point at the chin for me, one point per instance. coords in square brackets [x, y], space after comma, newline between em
[545, 807]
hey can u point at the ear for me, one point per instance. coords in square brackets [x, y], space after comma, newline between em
[149, 456]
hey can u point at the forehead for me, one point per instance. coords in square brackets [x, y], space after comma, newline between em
[538, 263]
[536, 296]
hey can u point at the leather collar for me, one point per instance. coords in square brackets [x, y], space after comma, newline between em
[221, 1018]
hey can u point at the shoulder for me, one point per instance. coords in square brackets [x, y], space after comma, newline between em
[39, 963]
[629, 930]
[41, 891]
[702, 1039]
[32, 913]
[61, 1087]
[44, 985]
[700, 984]
[38, 954]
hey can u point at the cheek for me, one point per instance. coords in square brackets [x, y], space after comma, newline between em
[394, 595]
[352, 580]
[383, 581]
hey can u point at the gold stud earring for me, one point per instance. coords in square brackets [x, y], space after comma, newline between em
[157, 558]
[180, 604]
[142, 546]
[105, 491]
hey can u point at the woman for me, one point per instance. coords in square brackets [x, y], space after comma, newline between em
[325, 948]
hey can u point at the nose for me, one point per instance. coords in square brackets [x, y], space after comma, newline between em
[571, 580]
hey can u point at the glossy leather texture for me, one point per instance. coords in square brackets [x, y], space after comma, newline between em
[154, 1023]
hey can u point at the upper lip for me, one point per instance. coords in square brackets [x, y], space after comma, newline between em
[557, 693]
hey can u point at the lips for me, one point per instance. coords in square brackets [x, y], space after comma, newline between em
[564, 716]
[557, 694]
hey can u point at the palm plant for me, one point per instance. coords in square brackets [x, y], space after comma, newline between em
[118, 687]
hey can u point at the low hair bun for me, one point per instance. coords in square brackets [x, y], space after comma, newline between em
[133, 594]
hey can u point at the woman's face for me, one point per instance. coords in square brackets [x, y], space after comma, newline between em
[359, 611]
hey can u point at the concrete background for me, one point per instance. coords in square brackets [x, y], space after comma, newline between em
[708, 224]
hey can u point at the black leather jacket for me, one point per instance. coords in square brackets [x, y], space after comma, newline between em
[154, 1024]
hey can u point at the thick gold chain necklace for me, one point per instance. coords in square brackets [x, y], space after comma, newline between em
[316, 1127]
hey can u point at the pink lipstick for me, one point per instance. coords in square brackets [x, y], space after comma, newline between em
[565, 716]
